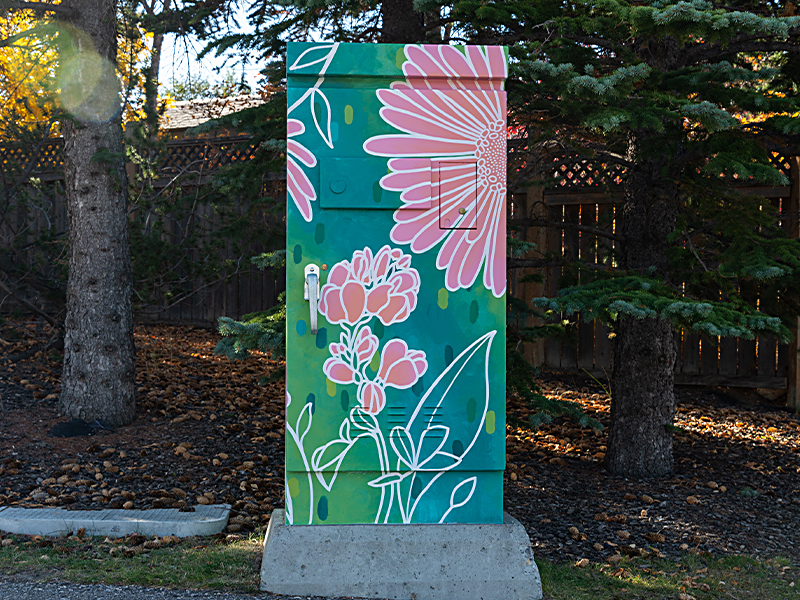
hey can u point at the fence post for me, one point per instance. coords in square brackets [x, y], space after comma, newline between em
[793, 210]
[535, 209]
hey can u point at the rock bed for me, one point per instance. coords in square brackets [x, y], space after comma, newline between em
[207, 433]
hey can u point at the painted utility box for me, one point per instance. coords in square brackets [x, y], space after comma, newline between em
[396, 282]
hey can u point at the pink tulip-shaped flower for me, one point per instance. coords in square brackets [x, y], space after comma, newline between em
[383, 285]
[343, 297]
[450, 106]
[401, 367]
[297, 182]
[372, 397]
[338, 371]
[365, 346]
[394, 300]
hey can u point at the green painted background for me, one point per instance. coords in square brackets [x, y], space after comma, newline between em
[443, 324]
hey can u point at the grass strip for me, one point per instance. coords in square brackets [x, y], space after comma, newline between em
[233, 563]
[230, 563]
[699, 577]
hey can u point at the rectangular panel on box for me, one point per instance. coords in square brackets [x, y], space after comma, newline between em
[456, 193]
[355, 183]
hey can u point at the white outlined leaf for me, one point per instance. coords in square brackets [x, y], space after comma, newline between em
[338, 449]
[388, 479]
[325, 110]
[363, 420]
[306, 412]
[289, 503]
[460, 496]
[430, 444]
[403, 445]
[441, 401]
[344, 430]
[313, 56]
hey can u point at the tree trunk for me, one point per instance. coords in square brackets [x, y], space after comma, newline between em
[642, 395]
[98, 374]
[401, 23]
[151, 77]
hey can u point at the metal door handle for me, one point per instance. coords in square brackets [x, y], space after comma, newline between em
[311, 293]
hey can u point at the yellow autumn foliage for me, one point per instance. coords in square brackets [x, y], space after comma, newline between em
[27, 72]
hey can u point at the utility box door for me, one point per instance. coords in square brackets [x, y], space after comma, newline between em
[395, 284]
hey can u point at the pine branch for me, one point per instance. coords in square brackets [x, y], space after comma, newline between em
[32, 307]
[703, 53]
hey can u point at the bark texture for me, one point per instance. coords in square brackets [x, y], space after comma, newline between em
[98, 373]
[401, 23]
[151, 80]
[642, 386]
[642, 394]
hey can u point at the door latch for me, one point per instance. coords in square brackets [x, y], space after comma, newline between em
[311, 293]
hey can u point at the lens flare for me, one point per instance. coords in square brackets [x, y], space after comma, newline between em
[88, 83]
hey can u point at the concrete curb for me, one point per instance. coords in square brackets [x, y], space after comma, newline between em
[426, 562]
[205, 520]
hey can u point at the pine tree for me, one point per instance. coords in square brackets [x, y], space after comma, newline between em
[681, 95]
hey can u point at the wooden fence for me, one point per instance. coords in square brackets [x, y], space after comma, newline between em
[583, 194]
[198, 302]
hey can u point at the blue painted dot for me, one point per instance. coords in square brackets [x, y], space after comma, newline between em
[458, 448]
[319, 233]
[301, 328]
[322, 338]
[472, 408]
[322, 508]
[473, 311]
[448, 355]
[311, 398]
[416, 487]
[297, 254]
[345, 400]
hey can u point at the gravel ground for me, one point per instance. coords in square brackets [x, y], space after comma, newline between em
[207, 432]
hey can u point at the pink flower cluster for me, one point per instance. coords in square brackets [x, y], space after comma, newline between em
[383, 286]
[399, 368]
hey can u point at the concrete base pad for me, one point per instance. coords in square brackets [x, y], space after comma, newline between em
[425, 562]
[205, 520]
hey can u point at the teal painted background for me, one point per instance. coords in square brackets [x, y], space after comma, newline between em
[460, 396]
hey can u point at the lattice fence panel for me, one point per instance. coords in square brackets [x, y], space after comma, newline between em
[585, 173]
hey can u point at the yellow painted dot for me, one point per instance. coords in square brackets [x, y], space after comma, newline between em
[444, 296]
[331, 387]
[490, 422]
[376, 362]
[294, 487]
[348, 114]
[400, 57]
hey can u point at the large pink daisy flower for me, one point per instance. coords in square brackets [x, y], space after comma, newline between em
[451, 110]
[297, 182]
